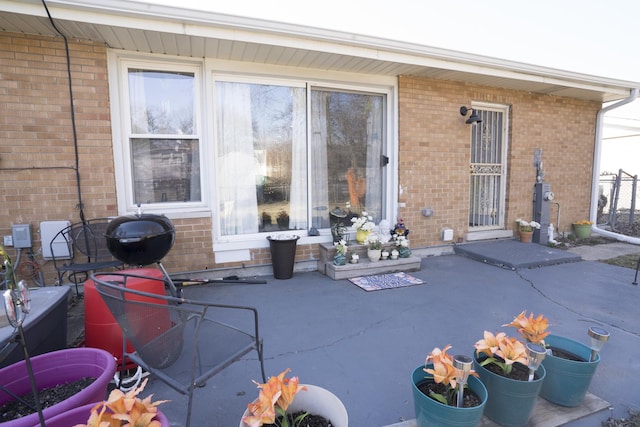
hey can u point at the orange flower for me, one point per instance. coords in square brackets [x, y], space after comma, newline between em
[443, 370]
[531, 329]
[501, 351]
[126, 410]
[490, 344]
[262, 410]
[274, 398]
[511, 350]
[289, 388]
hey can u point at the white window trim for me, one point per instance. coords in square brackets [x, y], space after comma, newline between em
[206, 71]
[121, 124]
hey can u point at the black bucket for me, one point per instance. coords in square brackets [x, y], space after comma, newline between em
[283, 255]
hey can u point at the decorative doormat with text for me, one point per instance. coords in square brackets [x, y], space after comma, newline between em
[385, 281]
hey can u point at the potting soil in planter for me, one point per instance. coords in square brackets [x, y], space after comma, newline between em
[309, 421]
[469, 398]
[566, 355]
[518, 372]
[14, 409]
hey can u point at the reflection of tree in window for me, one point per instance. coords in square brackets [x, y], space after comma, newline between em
[353, 130]
[161, 102]
[165, 170]
[264, 153]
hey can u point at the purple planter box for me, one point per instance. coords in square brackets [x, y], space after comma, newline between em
[81, 414]
[58, 367]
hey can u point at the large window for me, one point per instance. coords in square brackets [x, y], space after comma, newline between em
[288, 155]
[256, 154]
[164, 147]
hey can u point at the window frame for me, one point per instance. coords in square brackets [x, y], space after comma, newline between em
[123, 135]
[206, 71]
[388, 175]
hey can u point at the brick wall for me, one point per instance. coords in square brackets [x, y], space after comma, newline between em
[435, 144]
[37, 156]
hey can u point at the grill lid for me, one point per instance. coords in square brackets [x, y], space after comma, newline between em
[140, 239]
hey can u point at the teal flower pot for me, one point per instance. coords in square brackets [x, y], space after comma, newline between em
[567, 380]
[431, 413]
[510, 402]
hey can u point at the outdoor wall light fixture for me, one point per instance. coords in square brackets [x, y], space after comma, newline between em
[598, 336]
[535, 355]
[473, 118]
[462, 365]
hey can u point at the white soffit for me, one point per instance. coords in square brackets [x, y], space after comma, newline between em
[143, 27]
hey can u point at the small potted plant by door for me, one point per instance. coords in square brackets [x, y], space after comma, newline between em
[402, 244]
[363, 225]
[374, 247]
[582, 229]
[284, 402]
[525, 229]
[446, 391]
[340, 258]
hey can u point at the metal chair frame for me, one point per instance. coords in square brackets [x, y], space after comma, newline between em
[160, 328]
[88, 251]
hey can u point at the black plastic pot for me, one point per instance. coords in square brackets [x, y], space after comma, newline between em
[283, 255]
[140, 239]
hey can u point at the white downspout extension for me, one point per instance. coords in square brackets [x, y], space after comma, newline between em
[593, 214]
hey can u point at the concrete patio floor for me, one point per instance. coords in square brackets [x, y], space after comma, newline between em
[363, 346]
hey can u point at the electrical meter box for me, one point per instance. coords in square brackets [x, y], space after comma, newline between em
[21, 235]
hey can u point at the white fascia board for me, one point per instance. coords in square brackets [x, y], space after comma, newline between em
[151, 17]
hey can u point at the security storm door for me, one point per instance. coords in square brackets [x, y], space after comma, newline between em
[488, 169]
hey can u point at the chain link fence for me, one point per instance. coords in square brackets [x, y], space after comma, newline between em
[617, 209]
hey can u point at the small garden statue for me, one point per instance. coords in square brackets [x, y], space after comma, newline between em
[399, 235]
[400, 229]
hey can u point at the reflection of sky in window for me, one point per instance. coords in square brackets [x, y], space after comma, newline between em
[165, 97]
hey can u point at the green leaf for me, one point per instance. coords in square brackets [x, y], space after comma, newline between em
[299, 419]
[440, 398]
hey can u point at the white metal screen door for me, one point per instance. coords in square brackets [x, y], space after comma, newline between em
[488, 170]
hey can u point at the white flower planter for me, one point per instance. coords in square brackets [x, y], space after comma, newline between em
[317, 401]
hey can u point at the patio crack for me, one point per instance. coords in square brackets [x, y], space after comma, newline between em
[330, 344]
[566, 307]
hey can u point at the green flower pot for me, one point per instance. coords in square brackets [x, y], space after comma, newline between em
[510, 402]
[431, 413]
[582, 231]
[567, 380]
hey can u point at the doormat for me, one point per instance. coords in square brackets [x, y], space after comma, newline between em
[385, 281]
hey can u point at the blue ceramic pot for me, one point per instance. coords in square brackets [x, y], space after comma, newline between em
[567, 380]
[339, 259]
[510, 402]
[431, 413]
